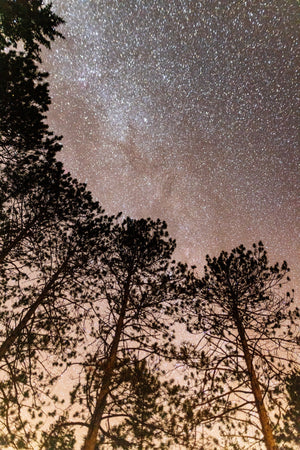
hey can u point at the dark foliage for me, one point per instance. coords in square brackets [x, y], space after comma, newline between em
[24, 95]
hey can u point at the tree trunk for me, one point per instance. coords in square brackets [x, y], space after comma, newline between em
[255, 386]
[91, 438]
[16, 332]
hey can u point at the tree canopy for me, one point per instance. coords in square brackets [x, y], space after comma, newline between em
[105, 340]
[26, 26]
[248, 328]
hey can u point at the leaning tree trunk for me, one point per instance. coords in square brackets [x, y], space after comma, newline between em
[91, 438]
[5, 346]
[255, 386]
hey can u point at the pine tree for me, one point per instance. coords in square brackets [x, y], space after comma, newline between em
[134, 279]
[248, 330]
[50, 229]
[289, 432]
[25, 27]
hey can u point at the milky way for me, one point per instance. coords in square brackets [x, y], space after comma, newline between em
[184, 110]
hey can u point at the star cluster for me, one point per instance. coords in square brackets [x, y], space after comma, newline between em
[184, 110]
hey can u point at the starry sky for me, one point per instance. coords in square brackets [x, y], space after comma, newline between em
[187, 111]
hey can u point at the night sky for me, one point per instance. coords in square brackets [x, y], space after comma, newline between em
[186, 111]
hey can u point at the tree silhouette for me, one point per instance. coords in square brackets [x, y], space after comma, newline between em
[289, 433]
[50, 230]
[248, 329]
[50, 227]
[44, 285]
[80, 289]
[24, 96]
[145, 403]
[135, 284]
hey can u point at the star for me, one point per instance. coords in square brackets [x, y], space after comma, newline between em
[187, 111]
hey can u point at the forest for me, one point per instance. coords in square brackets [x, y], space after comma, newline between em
[105, 340]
